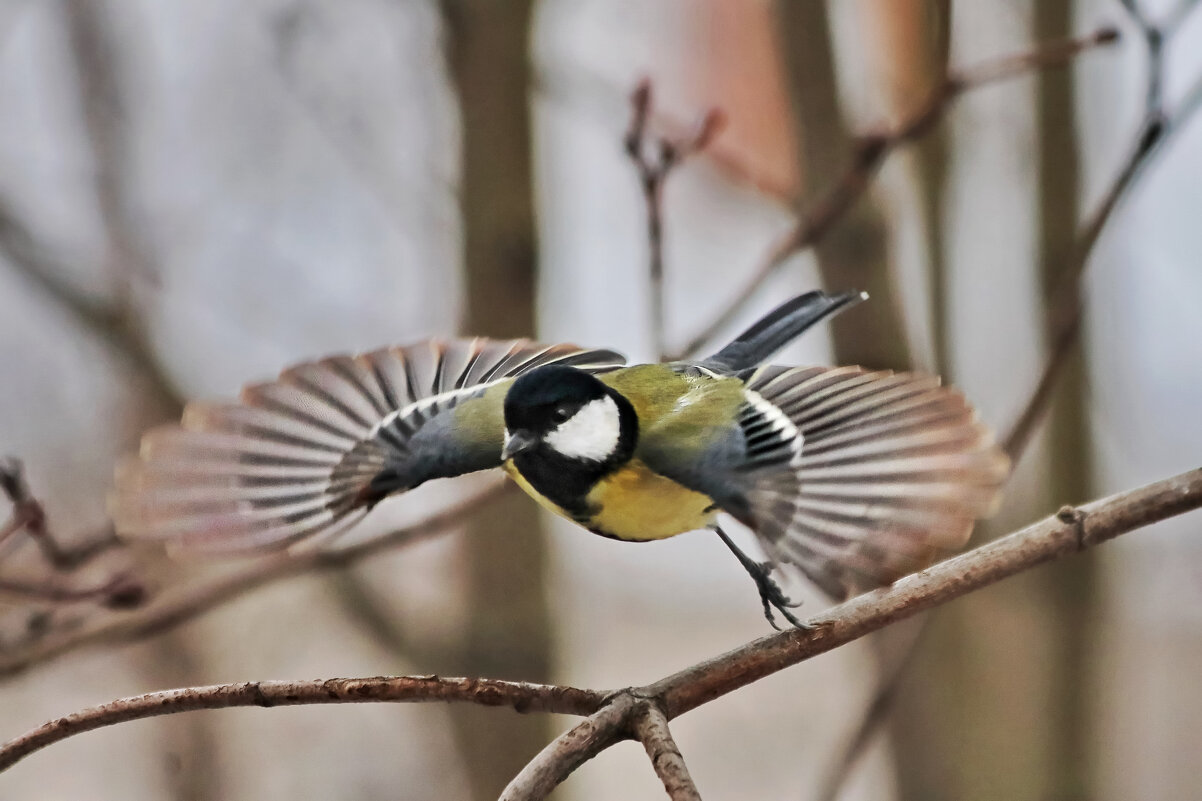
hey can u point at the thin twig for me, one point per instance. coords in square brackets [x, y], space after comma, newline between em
[879, 708]
[1065, 312]
[1069, 531]
[587, 95]
[95, 51]
[30, 516]
[872, 149]
[654, 161]
[651, 728]
[1065, 317]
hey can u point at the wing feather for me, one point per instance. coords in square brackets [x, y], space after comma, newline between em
[304, 455]
[891, 472]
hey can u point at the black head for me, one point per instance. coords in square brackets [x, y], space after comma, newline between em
[564, 430]
[547, 396]
[563, 413]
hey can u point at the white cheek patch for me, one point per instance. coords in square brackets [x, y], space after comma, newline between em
[592, 433]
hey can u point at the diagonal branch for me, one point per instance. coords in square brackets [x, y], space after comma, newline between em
[870, 153]
[551, 766]
[1067, 532]
[651, 728]
[611, 716]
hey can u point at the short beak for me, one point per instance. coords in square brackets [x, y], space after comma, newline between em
[517, 442]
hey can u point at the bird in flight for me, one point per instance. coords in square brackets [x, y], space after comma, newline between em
[856, 477]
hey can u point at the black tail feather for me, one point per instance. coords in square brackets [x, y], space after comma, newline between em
[778, 328]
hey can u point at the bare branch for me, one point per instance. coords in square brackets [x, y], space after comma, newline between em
[570, 750]
[1069, 531]
[654, 163]
[872, 149]
[573, 87]
[1065, 313]
[119, 592]
[651, 728]
[521, 696]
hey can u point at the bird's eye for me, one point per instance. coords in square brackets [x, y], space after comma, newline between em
[561, 414]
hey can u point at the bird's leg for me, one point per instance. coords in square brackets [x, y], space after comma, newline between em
[770, 592]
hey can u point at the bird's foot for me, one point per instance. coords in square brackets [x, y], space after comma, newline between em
[773, 597]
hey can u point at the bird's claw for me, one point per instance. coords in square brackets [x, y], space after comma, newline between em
[773, 597]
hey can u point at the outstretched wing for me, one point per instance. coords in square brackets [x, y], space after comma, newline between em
[856, 477]
[311, 452]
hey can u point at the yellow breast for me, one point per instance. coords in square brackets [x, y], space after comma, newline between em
[633, 503]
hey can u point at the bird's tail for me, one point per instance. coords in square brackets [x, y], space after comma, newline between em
[778, 328]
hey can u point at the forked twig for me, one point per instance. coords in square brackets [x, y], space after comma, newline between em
[655, 158]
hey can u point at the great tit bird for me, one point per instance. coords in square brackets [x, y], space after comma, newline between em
[856, 477]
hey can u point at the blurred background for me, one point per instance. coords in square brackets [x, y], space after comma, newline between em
[196, 194]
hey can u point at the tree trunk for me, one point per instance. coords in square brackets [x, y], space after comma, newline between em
[995, 704]
[507, 633]
[1071, 590]
[853, 254]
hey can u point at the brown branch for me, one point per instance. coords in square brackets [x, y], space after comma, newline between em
[654, 162]
[1065, 314]
[517, 695]
[570, 750]
[1067, 532]
[870, 153]
[191, 601]
[651, 728]
[611, 715]
[119, 592]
